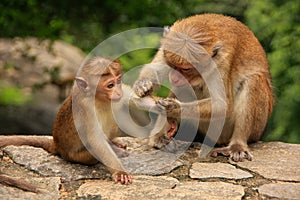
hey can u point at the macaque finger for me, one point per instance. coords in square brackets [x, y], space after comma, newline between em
[171, 106]
[123, 178]
[143, 87]
[225, 151]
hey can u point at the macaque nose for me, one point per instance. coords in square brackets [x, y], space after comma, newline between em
[117, 94]
[177, 79]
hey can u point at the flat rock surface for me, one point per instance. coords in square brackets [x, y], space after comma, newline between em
[144, 187]
[203, 190]
[217, 170]
[163, 187]
[41, 162]
[281, 190]
[172, 173]
[275, 160]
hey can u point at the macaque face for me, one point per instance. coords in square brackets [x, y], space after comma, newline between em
[183, 74]
[110, 86]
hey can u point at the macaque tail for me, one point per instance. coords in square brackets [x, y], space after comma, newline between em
[44, 142]
[18, 183]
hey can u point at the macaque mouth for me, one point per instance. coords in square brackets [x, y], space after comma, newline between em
[172, 128]
[115, 100]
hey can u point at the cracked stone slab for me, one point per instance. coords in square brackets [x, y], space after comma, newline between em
[139, 161]
[146, 160]
[203, 190]
[48, 190]
[143, 187]
[152, 163]
[45, 164]
[275, 160]
[163, 187]
[217, 170]
[280, 190]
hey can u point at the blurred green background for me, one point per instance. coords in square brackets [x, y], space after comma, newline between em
[86, 23]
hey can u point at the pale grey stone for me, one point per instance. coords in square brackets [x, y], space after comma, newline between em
[203, 190]
[143, 159]
[162, 187]
[280, 190]
[48, 190]
[217, 170]
[151, 163]
[143, 187]
[43, 163]
[275, 160]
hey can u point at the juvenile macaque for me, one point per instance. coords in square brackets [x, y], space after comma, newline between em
[199, 43]
[78, 120]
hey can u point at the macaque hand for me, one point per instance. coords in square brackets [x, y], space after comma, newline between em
[122, 177]
[171, 106]
[143, 87]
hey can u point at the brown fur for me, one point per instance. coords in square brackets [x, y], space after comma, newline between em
[18, 183]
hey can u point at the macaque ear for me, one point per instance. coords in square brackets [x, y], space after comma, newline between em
[216, 49]
[166, 30]
[82, 84]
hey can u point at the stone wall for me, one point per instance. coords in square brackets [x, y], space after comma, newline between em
[43, 71]
[274, 173]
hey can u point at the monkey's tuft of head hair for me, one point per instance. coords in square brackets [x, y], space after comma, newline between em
[99, 65]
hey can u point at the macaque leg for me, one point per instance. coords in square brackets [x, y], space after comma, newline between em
[249, 125]
[83, 157]
[160, 137]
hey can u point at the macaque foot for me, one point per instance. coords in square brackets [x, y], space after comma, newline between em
[143, 87]
[122, 177]
[119, 148]
[158, 142]
[236, 152]
[119, 143]
[163, 138]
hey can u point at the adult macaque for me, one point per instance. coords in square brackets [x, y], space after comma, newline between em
[77, 122]
[199, 43]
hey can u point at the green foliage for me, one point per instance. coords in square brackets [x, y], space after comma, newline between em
[12, 96]
[276, 23]
[87, 23]
[29, 18]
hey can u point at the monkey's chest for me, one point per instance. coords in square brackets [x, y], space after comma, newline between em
[108, 125]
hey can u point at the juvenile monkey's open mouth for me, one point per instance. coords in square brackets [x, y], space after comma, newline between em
[172, 127]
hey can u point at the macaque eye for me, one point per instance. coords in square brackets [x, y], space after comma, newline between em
[119, 81]
[110, 85]
[185, 70]
[215, 50]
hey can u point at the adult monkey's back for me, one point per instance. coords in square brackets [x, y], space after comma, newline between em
[242, 64]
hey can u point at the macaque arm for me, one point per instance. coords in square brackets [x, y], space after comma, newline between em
[200, 109]
[92, 135]
[152, 75]
[129, 113]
